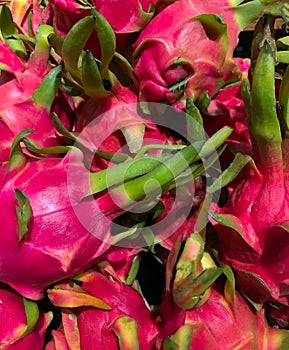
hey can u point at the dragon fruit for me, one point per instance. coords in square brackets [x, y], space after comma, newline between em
[101, 313]
[202, 311]
[218, 324]
[25, 103]
[133, 16]
[125, 17]
[253, 225]
[169, 69]
[40, 231]
[22, 325]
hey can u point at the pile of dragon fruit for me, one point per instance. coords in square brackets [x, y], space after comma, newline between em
[144, 169]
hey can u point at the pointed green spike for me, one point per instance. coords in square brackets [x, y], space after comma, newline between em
[39, 59]
[230, 173]
[107, 42]
[188, 292]
[229, 289]
[31, 146]
[133, 271]
[7, 26]
[91, 78]
[23, 211]
[124, 70]
[247, 12]
[263, 122]
[215, 23]
[230, 221]
[284, 97]
[126, 329]
[181, 339]
[45, 94]
[17, 158]
[42, 34]
[189, 262]
[146, 16]
[61, 128]
[214, 142]
[56, 41]
[32, 315]
[195, 125]
[9, 33]
[75, 42]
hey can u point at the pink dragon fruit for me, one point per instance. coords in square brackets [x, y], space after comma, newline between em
[169, 68]
[25, 103]
[200, 311]
[102, 313]
[22, 326]
[218, 324]
[253, 225]
[42, 240]
[133, 16]
[124, 17]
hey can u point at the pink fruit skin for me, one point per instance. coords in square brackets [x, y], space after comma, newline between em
[125, 18]
[27, 115]
[13, 320]
[56, 245]
[95, 325]
[168, 52]
[259, 257]
[258, 244]
[18, 111]
[219, 324]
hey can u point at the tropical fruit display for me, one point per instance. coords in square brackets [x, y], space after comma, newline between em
[144, 175]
